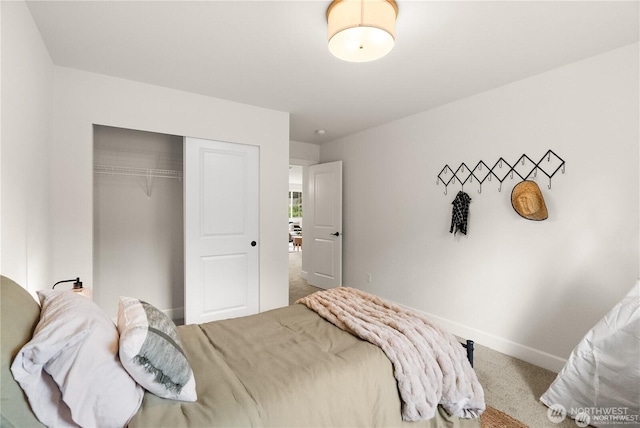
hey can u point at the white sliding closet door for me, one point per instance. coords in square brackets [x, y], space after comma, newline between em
[221, 195]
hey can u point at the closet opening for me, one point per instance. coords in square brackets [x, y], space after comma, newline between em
[138, 225]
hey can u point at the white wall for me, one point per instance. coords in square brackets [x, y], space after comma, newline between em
[303, 153]
[530, 289]
[83, 99]
[27, 90]
[138, 238]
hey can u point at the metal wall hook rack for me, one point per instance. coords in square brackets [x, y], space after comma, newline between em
[524, 168]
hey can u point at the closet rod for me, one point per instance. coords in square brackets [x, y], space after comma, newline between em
[137, 172]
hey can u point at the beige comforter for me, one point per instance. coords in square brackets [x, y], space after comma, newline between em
[287, 368]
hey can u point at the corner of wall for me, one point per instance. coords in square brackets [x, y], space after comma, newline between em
[27, 101]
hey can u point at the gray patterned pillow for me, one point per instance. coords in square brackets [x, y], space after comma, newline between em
[151, 351]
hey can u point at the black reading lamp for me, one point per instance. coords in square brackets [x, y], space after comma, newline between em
[77, 284]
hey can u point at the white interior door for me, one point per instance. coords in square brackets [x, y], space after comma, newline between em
[322, 236]
[221, 185]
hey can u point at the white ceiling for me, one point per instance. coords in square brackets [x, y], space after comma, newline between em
[274, 54]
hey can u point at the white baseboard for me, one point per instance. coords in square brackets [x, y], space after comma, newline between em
[508, 347]
[500, 344]
[303, 274]
[175, 313]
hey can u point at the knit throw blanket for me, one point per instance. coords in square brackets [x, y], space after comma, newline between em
[429, 364]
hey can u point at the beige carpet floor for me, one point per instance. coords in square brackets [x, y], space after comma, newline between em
[298, 286]
[510, 385]
[514, 387]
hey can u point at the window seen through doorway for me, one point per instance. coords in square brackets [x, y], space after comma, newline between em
[295, 205]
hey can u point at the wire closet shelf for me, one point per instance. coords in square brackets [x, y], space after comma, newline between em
[138, 163]
[137, 171]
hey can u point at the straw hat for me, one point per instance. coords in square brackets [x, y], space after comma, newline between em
[527, 200]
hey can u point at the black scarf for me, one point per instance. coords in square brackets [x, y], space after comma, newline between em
[460, 213]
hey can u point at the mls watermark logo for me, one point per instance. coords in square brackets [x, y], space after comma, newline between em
[556, 413]
[582, 419]
[600, 415]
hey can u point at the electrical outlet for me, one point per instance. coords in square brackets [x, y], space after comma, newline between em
[368, 278]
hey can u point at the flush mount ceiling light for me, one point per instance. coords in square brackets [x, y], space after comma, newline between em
[361, 30]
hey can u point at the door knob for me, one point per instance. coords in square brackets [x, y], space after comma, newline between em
[336, 234]
[253, 243]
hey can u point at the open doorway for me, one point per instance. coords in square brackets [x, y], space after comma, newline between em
[295, 208]
[298, 286]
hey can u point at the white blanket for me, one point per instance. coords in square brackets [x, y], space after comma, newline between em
[429, 364]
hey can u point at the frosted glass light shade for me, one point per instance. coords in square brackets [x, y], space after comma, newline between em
[361, 30]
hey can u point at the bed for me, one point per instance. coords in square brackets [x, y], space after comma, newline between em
[599, 384]
[285, 367]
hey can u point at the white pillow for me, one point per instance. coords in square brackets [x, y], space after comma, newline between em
[151, 351]
[70, 369]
